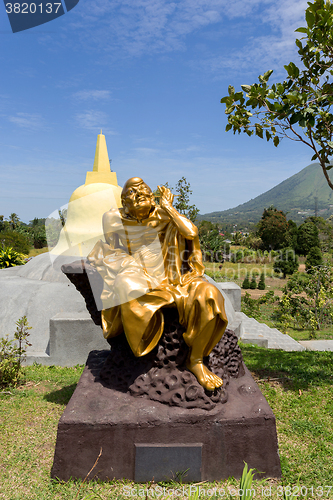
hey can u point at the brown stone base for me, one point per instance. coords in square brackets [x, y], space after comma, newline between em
[130, 430]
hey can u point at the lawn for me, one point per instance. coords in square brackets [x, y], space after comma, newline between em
[298, 386]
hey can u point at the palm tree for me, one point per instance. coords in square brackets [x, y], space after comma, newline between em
[14, 220]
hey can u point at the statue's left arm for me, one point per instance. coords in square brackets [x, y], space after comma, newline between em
[184, 225]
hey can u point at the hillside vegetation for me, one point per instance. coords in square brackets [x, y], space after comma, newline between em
[296, 194]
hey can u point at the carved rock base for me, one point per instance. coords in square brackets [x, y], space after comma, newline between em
[131, 429]
[162, 375]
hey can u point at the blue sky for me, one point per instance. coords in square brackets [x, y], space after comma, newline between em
[151, 74]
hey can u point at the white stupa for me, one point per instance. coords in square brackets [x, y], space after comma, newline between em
[87, 205]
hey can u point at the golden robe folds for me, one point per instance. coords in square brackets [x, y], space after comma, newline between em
[150, 264]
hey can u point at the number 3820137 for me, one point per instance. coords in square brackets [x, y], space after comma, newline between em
[32, 8]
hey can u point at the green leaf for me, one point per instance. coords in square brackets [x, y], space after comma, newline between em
[295, 118]
[231, 90]
[301, 30]
[246, 88]
[267, 74]
[311, 120]
[330, 143]
[229, 110]
[238, 96]
[268, 136]
[314, 157]
[302, 122]
[310, 18]
[259, 130]
[228, 127]
[276, 140]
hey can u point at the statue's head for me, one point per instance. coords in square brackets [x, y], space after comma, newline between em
[137, 198]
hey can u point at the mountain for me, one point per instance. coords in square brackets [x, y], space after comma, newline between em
[299, 196]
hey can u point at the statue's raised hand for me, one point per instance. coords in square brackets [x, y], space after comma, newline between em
[166, 198]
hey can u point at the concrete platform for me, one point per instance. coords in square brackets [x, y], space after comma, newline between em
[129, 430]
[317, 345]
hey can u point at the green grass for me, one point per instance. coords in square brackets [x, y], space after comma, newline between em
[37, 251]
[298, 386]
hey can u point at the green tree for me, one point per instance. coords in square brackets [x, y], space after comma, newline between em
[63, 216]
[307, 237]
[18, 241]
[291, 236]
[314, 259]
[286, 263]
[238, 238]
[307, 300]
[272, 228]
[211, 242]
[253, 241]
[325, 232]
[3, 224]
[299, 108]
[182, 199]
[182, 203]
[14, 221]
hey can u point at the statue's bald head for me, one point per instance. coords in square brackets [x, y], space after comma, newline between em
[137, 197]
[133, 181]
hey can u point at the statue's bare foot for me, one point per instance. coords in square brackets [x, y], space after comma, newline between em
[205, 377]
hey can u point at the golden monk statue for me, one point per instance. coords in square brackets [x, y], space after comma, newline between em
[151, 259]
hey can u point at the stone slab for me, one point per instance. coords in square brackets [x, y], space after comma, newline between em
[243, 429]
[317, 345]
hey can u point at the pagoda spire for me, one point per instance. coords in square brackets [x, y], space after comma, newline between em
[101, 171]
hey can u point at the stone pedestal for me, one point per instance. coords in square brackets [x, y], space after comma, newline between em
[143, 439]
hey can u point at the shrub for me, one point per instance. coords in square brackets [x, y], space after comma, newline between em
[12, 354]
[307, 300]
[18, 241]
[261, 284]
[10, 258]
[253, 284]
[246, 282]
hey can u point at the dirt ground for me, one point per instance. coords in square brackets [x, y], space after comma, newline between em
[275, 284]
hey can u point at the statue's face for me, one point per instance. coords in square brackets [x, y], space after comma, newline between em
[137, 198]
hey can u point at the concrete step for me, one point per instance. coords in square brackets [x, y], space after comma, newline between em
[253, 332]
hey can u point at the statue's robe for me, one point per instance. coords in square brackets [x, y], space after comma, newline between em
[149, 265]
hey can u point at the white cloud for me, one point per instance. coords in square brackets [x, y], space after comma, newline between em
[260, 53]
[94, 120]
[125, 28]
[94, 95]
[152, 26]
[91, 119]
[27, 120]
